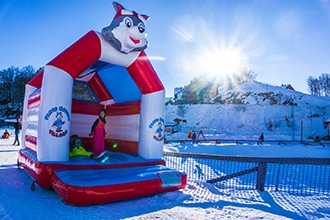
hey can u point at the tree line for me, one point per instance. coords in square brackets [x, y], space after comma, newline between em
[12, 89]
[319, 86]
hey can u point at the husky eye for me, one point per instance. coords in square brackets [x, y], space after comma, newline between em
[141, 27]
[128, 22]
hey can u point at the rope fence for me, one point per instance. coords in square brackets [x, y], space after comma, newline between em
[299, 176]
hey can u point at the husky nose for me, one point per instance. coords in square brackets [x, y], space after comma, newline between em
[141, 29]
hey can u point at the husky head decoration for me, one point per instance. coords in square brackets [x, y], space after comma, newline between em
[126, 32]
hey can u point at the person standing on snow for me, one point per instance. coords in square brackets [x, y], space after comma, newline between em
[261, 139]
[17, 126]
[98, 133]
[199, 171]
[193, 137]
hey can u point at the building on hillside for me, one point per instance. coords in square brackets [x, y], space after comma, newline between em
[187, 95]
[288, 86]
[169, 101]
[208, 93]
[178, 93]
[327, 125]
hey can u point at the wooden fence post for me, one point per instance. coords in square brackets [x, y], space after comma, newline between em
[262, 166]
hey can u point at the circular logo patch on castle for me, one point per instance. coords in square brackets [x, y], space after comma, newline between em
[158, 126]
[60, 117]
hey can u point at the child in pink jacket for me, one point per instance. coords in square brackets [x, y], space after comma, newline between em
[98, 133]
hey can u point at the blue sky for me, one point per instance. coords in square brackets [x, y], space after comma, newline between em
[282, 41]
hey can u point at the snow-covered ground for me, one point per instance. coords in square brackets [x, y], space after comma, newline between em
[199, 200]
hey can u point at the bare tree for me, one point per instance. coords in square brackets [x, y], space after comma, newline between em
[319, 86]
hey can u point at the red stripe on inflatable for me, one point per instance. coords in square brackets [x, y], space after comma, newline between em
[34, 99]
[144, 75]
[79, 56]
[129, 108]
[88, 108]
[92, 108]
[99, 88]
[33, 103]
[39, 172]
[36, 80]
[31, 143]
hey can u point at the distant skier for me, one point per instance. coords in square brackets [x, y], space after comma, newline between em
[193, 137]
[188, 136]
[199, 171]
[261, 139]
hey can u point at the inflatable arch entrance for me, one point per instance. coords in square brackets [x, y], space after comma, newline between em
[125, 84]
[100, 70]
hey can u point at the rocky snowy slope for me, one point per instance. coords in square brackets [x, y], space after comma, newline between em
[273, 110]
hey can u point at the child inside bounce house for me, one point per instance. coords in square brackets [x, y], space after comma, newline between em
[77, 148]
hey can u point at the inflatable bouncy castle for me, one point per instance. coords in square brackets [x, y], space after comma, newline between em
[107, 70]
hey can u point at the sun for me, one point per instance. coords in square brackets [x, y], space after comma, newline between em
[221, 62]
[210, 51]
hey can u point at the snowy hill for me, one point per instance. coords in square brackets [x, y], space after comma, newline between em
[257, 93]
[276, 111]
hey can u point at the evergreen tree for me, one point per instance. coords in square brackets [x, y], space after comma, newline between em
[12, 89]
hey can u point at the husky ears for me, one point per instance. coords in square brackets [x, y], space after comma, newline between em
[146, 17]
[119, 7]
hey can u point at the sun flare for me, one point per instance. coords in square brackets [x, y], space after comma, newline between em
[221, 62]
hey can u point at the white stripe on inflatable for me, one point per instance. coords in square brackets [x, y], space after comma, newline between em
[33, 114]
[32, 129]
[107, 102]
[81, 124]
[83, 119]
[151, 139]
[54, 115]
[123, 121]
[123, 127]
[113, 56]
[28, 90]
[32, 118]
[123, 133]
